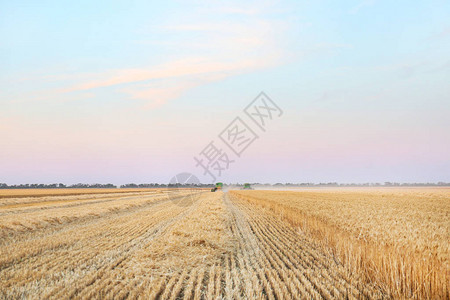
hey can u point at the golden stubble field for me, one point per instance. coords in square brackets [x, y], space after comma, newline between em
[398, 238]
[334, 244]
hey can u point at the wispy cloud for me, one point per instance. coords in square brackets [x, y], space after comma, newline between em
[159, 92]
[212, 50]
[179, 68]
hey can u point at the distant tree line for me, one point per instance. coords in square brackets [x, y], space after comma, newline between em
[335, 184]
[205, 185]
[142, 185]
[306, 184]
[158, 185]
[58, 186]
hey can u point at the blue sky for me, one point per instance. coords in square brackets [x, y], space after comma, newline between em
[117, 91]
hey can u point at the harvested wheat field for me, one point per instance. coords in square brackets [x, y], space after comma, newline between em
[397, 239]
[236, 245]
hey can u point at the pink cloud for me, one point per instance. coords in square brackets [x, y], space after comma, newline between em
[185, 67]
[168, 81]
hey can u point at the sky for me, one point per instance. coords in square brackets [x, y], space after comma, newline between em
[134, 91]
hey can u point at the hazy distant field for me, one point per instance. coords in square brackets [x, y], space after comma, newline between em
[334, 243]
